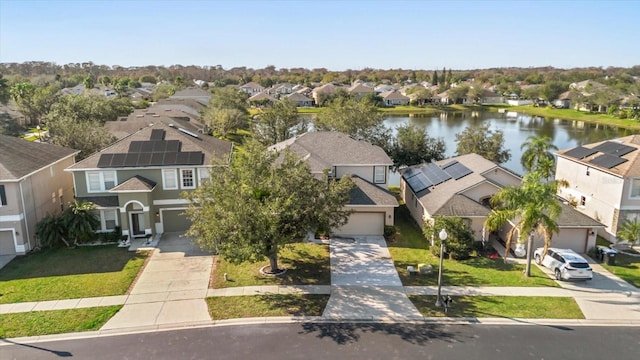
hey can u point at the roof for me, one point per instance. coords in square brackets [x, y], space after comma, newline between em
[627, 157]
[325, 89]
[192, 92]
[213, 149]
[135, 184]
[101, 201]
[140, 119]
[461, 206]
[570, 217]
[393, 95]
[441, 198]
[297, 97]
[360, 88]
[323, 149]
[366, 193]
[252, 85]
[19, 157]
[262, 96]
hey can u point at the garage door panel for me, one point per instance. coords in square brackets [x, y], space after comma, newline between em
[7, 246]
[361, 223]
[175, 221]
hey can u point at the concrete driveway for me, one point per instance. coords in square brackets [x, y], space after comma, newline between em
[171, 288]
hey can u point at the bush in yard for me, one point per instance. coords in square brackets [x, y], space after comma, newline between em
[77, 223]
[459, 243]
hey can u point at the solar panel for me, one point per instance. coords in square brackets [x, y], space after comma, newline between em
[457, 171]
[171, 158]
[131, 159]
[182, 158]
[196, 158]
[157, 159]
[435, 174]
[172, 146]
[135, 146]
[449, 164]
[580, 152]
[608, 161]
[147, 146]
[157, 134]
[614, 148]
[417, 184]
[410, 172]
[144, 159]
[105, 160]
[118, 160]
[159, 145]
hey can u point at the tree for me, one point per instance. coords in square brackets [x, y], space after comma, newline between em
[88, 82]
[81, 221]
[538, 156]
[5, 94]
[356, 118]
[86, 136]
[630, 231]
[434, 78]
[444, 80]
[229, 98]
[413, 146]
[532, 208]
[459, 241]
[481, 140]
[162, 91]
[261, 202]
[51, 231]
[458, 93]
[552, 89]
[32, 101]
[279, 123]
[223, 121]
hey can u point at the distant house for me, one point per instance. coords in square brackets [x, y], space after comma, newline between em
[368, 166]
[32, 184]
[359, 91]
[563, 101]
[490, 97]
[300, 100]
[394, 98]
[192, 93]
[383, 88]
[280, 89]
[252, 88]
[137, 182]
[326, 89]
[261, 99]
[604, 179]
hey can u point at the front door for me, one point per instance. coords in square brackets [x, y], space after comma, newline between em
[137, 223]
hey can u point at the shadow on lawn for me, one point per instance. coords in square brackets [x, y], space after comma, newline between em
[69, 261]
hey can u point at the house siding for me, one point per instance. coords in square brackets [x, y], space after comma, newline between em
[364, 172]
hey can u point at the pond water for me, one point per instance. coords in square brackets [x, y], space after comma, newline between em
[516, 127]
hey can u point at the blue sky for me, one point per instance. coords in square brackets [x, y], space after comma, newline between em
[336, 35]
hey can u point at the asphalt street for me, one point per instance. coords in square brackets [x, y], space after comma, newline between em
[348, 341]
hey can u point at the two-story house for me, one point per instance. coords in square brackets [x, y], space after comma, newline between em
[32, 184]
[252, 88]
[462, 186]
[368, 166]
[137, 182]
[604, 180]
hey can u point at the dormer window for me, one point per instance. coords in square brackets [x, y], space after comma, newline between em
[379, 174]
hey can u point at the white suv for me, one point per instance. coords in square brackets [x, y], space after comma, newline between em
[565, 263]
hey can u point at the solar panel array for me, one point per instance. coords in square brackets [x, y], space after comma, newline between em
[608, 161]
[614, 148]
[157, 134]
[456, 170]
[420, 179]
[580, 152]
[137, 146]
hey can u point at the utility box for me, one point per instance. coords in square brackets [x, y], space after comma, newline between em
[425, 269]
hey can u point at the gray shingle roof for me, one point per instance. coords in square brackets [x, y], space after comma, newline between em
[19, 157]
[136, 183]
[571, 217]
[101, 201]
[366, 193]
[462, 206]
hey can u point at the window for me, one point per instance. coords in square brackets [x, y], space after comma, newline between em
[100, 181]
[52, 171]
[583, 201]
[169, 179]
[204, 175]
[3, 196]
[187, 179]
[379, 174]
[635, 188]
[108, 219]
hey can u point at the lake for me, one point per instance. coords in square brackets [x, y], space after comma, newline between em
[516, 127]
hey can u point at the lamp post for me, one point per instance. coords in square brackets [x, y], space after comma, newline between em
[443, 237]
[39, 137]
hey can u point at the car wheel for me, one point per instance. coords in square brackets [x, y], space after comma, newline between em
[538, 259]
[558, 274]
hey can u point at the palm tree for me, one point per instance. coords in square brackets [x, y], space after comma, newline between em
[538, 156]
[630, 231]
[530, 208]
[80, 220]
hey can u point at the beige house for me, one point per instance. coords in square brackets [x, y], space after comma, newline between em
[359, 90]
[368, 165]
[604, 180]
[394, 98]
[32, 184]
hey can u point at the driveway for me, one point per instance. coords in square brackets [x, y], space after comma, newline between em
[364, 282]
[171, 288]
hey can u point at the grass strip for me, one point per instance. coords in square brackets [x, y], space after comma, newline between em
[528, 307]
[55, 322]
[306, 264]
[69, 274]
[234, 307]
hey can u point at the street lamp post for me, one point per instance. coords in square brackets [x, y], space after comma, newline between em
[443, 237]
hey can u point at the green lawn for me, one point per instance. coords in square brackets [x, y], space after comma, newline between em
[55, 322]
[501, 306]
[627, 268]
[411, 248]
[306, 264]
[69, 273]
[234, 307]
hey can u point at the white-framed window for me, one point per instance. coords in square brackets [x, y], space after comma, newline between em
[583, 201]
[3, 196]
[379, 174]
[100, 181]
[108, 219]
[187, 178]
[170, 179]
[52, 171]
[635, 188]
[203, 175]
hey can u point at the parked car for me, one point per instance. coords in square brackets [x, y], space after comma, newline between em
[566, 264]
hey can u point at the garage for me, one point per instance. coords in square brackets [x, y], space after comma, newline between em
[175, 221]
[363, 223]
[7, 246]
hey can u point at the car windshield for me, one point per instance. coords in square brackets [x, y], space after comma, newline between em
[579, 265]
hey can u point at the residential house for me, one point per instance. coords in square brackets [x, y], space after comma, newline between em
[137, 182]
[300, 100]
[261, 99]
[604, 179]
[382, 88]
[394, 98]
[462, 186]
[359, 91]
[192, 93]
[490, 97]
[281, 89]
[563, 101]
[252, 88]
[142, 118]
[368, 165]
[324, 90]
[32, 184]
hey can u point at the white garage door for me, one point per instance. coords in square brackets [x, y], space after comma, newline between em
[7, 246]
[363, 224]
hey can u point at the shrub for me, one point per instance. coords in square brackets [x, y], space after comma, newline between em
[459, 243]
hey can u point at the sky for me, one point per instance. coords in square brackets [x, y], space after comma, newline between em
[336, 35]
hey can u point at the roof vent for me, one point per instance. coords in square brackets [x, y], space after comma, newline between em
[172, 126]
[188, 132]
